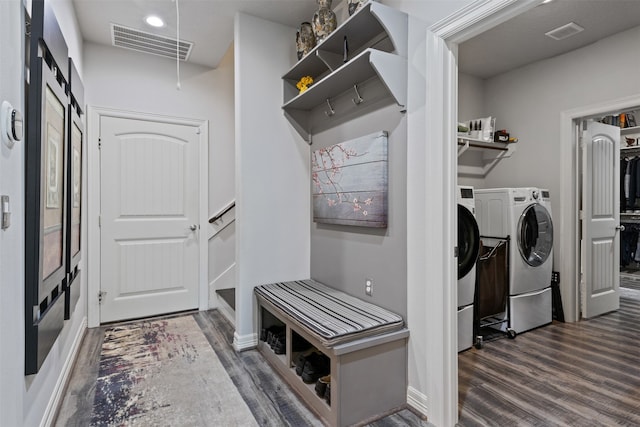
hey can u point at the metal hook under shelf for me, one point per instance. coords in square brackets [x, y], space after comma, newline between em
[331, 111]
[358, 100]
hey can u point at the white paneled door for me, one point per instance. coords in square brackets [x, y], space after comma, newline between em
[600, 219]
[149, 218]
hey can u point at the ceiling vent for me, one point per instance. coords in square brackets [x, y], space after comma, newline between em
[130, 38]
[566, 31]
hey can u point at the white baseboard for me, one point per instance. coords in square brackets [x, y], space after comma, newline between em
[56, 397]
[417, 401]
[245, 342]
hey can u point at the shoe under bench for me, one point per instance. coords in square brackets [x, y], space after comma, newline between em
[368, 374]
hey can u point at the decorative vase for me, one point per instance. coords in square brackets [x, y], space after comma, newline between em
[305, 39]
[324, 20]
[355, 5]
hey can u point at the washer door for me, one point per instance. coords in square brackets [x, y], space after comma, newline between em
[535, 235]
[468, 241]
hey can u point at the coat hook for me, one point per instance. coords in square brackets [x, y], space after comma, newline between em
[331, 111]
[358, 100]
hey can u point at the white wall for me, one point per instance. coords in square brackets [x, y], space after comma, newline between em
[222, 249]
[272, 170]
[471, 97]
[68, 22]
[25, 400]
[127, 80]
[12, 240]
[342, 256]
[530, 103]
[222, 148]
[471, 105]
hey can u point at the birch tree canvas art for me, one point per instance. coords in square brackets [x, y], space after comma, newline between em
[350, 182]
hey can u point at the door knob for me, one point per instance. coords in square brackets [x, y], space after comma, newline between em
[620, 227]
[193, 227]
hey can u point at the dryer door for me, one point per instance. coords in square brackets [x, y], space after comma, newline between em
[535, 235]
[468, 241]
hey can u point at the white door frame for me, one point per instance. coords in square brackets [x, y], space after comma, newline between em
[569, 215]
[442, 106]
[93, 202]
[440, 388]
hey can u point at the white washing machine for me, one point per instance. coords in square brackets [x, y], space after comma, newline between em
[524, 214]
[468, 248]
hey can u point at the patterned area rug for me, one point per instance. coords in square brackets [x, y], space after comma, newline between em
[164, 373]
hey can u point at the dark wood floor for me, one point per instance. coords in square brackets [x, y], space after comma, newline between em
[564, 374]
[271, 401]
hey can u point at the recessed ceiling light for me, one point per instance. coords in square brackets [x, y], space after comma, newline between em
[547, 1]
[154, 21]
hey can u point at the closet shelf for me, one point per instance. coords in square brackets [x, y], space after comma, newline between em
[630, 151]
[630, 131]
[626, 217]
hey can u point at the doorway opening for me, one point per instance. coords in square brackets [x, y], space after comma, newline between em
[559, 133]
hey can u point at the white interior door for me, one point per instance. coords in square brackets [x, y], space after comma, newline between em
[149, 218]
[601, 218]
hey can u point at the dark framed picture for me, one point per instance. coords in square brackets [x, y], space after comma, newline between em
[74, 189]
[46, 184]
[46, 228]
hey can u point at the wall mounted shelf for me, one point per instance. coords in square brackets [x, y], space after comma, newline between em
[390, 68]
[492, 153]
[376, 36]
[634, 150]
[630, 131]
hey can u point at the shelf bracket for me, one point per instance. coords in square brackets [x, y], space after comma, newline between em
[331, 111]
[358, 99]
[463, 147]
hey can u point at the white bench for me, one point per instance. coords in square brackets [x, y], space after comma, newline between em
[367, 346]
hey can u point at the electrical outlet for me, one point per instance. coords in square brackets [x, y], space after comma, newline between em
[368, 287]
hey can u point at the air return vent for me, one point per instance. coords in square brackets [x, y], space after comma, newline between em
[130, 38]
[568, 30]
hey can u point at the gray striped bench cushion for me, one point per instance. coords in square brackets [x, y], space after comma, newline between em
[331, 315]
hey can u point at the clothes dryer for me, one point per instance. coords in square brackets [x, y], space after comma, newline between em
[468, 249]
[523, 214]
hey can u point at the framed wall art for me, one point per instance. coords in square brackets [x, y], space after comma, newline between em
[349, 182]
[46, 186]
[74, 189]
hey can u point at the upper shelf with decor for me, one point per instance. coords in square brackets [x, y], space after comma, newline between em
[369, 48]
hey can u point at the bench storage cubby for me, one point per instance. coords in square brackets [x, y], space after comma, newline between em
[366, 346]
